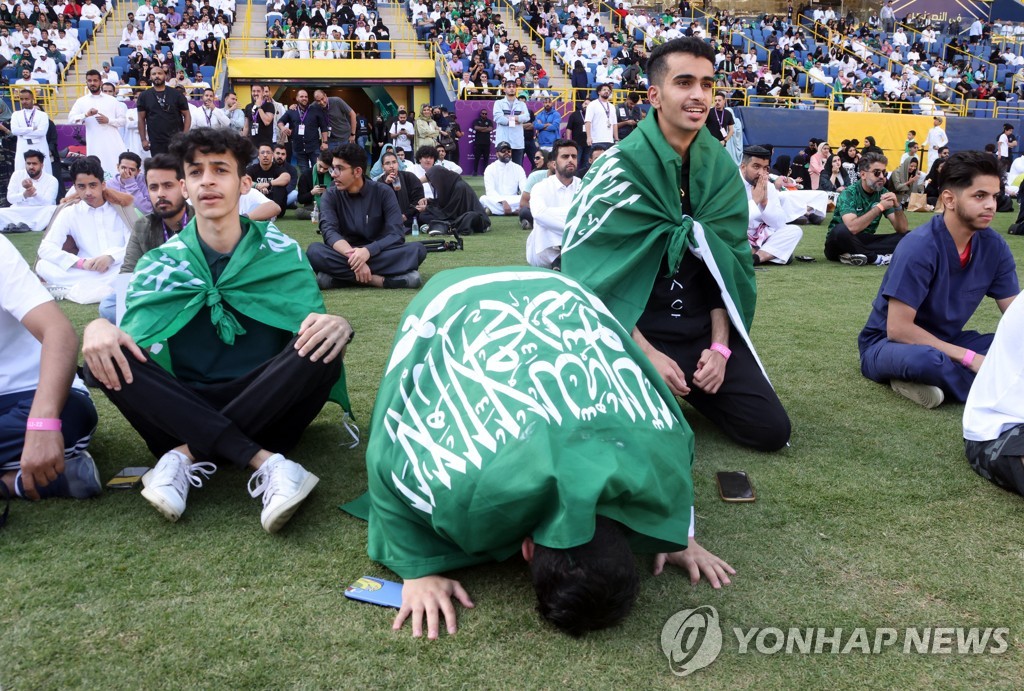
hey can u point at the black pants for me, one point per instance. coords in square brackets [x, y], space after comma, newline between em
[480, 159]
[525, 214]
[279, 195]
[268, 408]
[78, 420]
[745, 406]
[841, 241]
[394, 261]
[160, 147]
[1000, 461]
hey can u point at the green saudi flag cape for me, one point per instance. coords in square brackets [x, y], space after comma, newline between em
[627, 216]
[268, 279]
[514, 404]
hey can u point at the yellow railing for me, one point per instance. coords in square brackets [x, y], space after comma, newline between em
[220, 67]
[310, 48]
[46, 96]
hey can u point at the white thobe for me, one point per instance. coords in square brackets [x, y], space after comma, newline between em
[503, 182]
[30, 127]
[936, 140]
[34, 211]
[767, 229]
[102, 140]
[549, 203]
[96, 231]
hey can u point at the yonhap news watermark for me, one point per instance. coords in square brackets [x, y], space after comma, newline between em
[693, 638]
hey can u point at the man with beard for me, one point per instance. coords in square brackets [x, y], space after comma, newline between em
[550, 200]
[102, 127]
[914, 338]
[165, 185]
[270, 178]
[407, 187]
[771, 238]
[306, 126]
[503, 183]
[851, 235]
[163, 113]
[31, 193]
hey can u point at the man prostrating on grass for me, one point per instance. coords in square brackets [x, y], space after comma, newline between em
[226, 355]
[914, 338]
[516, 416]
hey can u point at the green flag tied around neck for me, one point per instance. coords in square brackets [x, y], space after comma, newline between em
[626, 217]
[514, 404]
[268, 279]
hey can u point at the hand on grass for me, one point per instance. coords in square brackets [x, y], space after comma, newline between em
[430, 596]
[697, 561]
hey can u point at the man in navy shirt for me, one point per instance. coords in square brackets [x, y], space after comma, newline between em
[306, 125]
[914, 338]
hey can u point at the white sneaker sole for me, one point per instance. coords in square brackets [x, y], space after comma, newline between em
[921, 394]
[275, 521]
[158, 502]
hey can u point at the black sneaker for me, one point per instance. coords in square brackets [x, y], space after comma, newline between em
[326, 281]
[409, 280]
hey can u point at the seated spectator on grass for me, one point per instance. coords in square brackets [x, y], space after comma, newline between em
[503, 183]
[407, 187]
[771, 238]
[454, 202]
[851, 235]
[364, 237]
[239, 320]
[445, 162]
[165, 187]
[256, 206]
[281, 159]
[914, 338]
[834, 177]
[46, 415]
[32, 194]
[543, 166]
[994, 413]
[130, 182]
[550, 200]
[270, 178]
[906, 180]
[547, 477]
[312, 185]
[99, 232]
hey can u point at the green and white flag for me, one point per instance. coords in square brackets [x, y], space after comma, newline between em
[627, 216]
[514, 404]
[268, 279]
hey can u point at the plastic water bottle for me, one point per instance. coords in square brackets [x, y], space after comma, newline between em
[415, 227]
[315, 216]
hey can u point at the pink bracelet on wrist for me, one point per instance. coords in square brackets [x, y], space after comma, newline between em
[80, 263]
[43, 424]
[721, 350]
[968, 358]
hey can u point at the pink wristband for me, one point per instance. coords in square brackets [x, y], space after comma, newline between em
[968, 358]
[721, 349]
[80, 263]
[43, 424]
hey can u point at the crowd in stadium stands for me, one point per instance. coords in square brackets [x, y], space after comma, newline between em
[326, 30]
[37, 41]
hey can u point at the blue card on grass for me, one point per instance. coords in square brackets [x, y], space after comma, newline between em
[376, 591]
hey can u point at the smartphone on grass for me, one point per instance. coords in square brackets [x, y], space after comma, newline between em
[376, 591]
[128, 478]
[734, 486]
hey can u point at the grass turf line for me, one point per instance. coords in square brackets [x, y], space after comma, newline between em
[871, 518]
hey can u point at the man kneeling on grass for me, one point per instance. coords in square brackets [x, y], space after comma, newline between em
[516, 415]
[241, 355]
[914, 337]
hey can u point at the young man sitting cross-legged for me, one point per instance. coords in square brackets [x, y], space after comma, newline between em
[241, 355]
[914, 338]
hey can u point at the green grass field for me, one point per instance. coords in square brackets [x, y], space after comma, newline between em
[872, 518]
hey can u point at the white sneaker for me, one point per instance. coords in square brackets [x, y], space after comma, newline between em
[883, 259]
[166, 485]
[284, 485]
[923, 394]
[853, 259]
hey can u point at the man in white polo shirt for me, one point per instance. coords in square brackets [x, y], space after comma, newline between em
[550, 200]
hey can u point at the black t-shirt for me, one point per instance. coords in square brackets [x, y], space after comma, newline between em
[718, 123]
[164, 113]
[259, 176]
[259, 133]
[679, 308]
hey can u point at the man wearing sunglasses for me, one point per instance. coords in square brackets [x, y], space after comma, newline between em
[851, 235]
